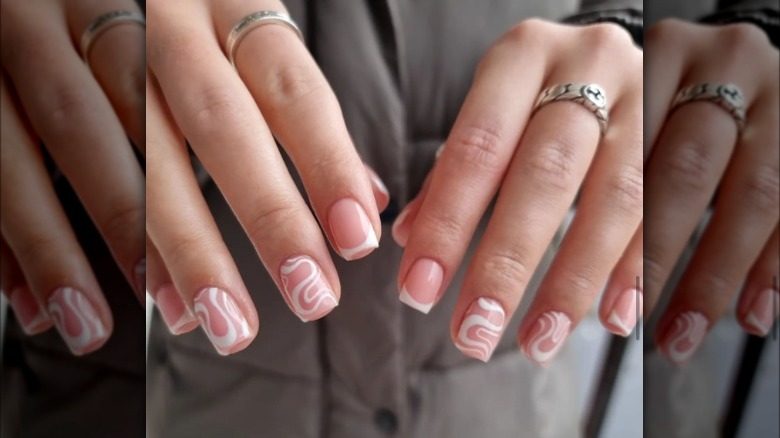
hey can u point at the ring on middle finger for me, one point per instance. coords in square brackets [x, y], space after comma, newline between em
[591, 96]
[252, 21]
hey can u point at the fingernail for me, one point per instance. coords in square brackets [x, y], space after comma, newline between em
[221, 319]
[140, 278]
[352, 231]
[762, 313]
[623, 316]
[176, 315]
[400, 230]
[481, 328]
[684, 336]
[77, 320]
[309, 294]
[547, 337]
[29, 314]
[422, 285]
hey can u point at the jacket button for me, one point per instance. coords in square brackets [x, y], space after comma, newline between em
[386, 420]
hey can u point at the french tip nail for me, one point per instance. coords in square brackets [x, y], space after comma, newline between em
[407, 299]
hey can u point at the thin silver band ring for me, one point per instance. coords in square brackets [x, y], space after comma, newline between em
[252, 21]
[102, 24]
[591, 96]
[727, 96]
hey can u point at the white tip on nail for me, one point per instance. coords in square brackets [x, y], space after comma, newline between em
[371, 242]
[617, 323]
[753, 320]
[407, 299]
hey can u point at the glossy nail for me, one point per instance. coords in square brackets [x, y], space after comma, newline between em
[176, 315]
[77, 320]
[481, 328]
[546, 337]
[221, 319]
[29, 314]
[623, 316]
[353, 233]
[684, 336]
[308, 292]
[422, 285]
[762, 312]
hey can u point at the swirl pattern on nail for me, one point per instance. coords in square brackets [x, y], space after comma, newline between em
[76, 319]
[308, 292]
[221, 319]
[547, 337]
[686, 334]
[481, 328]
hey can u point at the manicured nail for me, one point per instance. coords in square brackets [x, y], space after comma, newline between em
[29, 314]
[481, 328]
[547, 337]
[77, 320]
[176, 315]
[308, 292]
[380, 185]
[221, 319]
[422, 285]
[684, 336]
[352, 231]
[623, 316]
[762, 312]
[400, 230]
[140, 278]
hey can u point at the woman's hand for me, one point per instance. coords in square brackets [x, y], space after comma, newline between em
[538, 163]
[230, 116]
[83, 110]
[694, 151]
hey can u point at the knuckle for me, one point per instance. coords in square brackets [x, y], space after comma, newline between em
[553, 166]
[478, 146]
[762, 189]
[689, 166]
[215, 108]
[582, 280]
[326, 166]
[36, 245]
[442, 226]
[607, 36]
[652, 263]
[66, 105]
[181, 246]
[739, 37]
[626, 191]
[290, 84]
[269, 222]
[508, 266]
[124, 221]
[531, 27]
[671, 28]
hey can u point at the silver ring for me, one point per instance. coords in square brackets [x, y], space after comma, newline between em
[591, 96]
[102, 24]
[252, 21]
[727, 96]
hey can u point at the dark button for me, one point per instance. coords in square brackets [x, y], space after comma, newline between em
[386, 420]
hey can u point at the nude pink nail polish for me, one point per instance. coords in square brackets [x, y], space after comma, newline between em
[422, 285]
[762, 312]
[221, 319]
[623, 316]
[481, 328]
[29, 314]
[546, 337]
[353, 233]
[176, 315]
[77, 320]
[684, 336]
[308, 292]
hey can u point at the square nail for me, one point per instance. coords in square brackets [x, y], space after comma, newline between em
[422, 285]
[77, 320]
[352, 231]
[762, 313]
[221, 319]
[684, 336]
[308, 292]
[623, 316]
[29, 314]
[546, 337]
[481, 328]
[175, 313]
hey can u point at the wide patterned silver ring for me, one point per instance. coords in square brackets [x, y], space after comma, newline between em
[727, 96]
[102, 24]
[252, 21]
[591, 96]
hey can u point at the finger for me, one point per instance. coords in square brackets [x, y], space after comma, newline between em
[116, 60]
[30, 315]
[472, 165]
[175, 313]
[759, 303]
[608, 214]
[289, 87]
[621, 305]
[402, 225]
[71, 114]
[744, 216]
[38, 234]
[214, 109]
[182, 229]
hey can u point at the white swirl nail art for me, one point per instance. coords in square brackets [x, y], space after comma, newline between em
[481, 329]
[221, 319]
[307, 290]
[687, 332]
[547, 336]
[76, 319]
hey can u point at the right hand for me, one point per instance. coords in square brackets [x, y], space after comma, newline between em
[230, 118]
